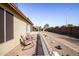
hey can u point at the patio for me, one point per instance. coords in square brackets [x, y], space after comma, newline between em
[28, 50]
[34, 49]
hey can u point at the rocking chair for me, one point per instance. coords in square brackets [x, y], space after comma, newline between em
[25, 43]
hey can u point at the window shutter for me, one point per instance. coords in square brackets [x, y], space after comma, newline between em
[1, 25]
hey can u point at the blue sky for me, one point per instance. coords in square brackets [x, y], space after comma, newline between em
[54, 14]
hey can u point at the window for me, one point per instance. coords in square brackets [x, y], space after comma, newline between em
[6, 25]
[9, 26]
[1, 25]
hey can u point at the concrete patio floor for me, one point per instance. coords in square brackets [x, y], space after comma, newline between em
[28, 50]
[34, 49]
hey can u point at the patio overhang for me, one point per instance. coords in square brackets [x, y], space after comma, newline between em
[15, 8]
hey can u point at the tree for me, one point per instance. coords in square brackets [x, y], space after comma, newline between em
[70, 25]
[56, 27]
[40, 28]
[46, 26]
[63, 26]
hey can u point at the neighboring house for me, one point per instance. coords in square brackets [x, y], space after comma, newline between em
[12, 24]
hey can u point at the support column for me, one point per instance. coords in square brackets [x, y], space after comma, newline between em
[4, 26]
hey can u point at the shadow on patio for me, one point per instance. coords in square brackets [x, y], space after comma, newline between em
[39, 49]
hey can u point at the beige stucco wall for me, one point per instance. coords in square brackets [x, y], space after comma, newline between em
[29, 28]
[19, 29]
